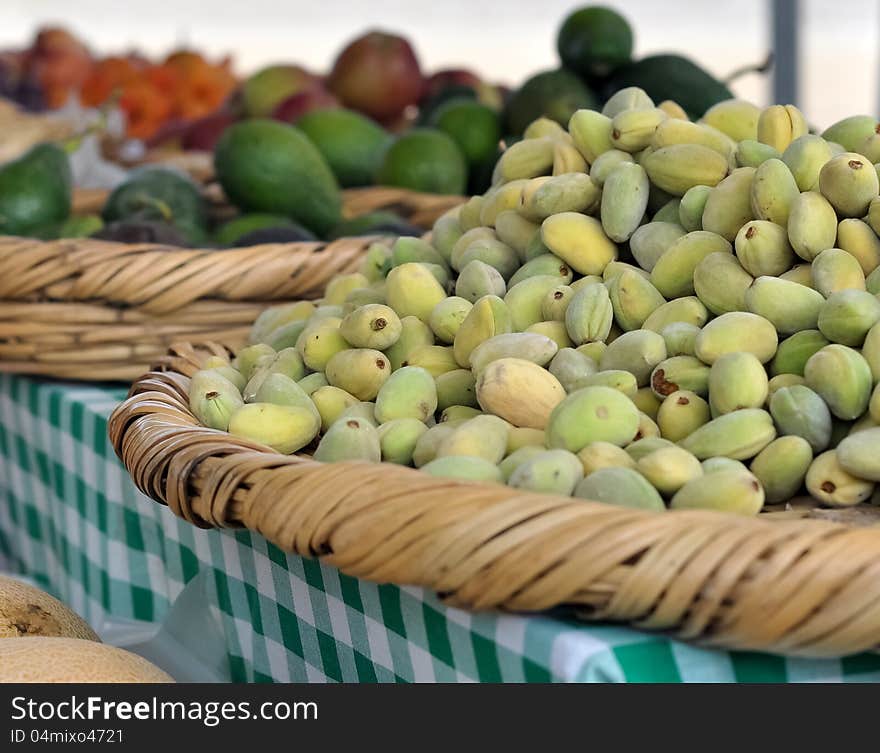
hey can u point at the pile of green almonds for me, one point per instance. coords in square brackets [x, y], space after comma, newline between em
[642, 310]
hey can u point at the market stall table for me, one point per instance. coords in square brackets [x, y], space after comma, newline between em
[72, 520]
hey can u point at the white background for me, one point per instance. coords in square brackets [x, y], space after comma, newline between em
[506, 41]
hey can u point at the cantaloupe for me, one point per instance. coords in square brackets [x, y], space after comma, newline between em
[26, 611]
[65, 660]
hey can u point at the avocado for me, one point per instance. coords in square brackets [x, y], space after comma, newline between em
[594, 40]
[35, 190]
[672, 77]
[271, 167]
[162, 195]
[351, 143]
[555, 94]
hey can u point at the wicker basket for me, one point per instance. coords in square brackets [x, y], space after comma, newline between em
[784, 582]
[87, 309]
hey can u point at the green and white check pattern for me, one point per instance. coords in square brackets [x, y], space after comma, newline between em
[71, 519]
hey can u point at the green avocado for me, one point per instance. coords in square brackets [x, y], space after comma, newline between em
[594, 40]
[555, 94]
[163, 195]
[672, 77]
[269, 167]
[351, 143]
[35, 190]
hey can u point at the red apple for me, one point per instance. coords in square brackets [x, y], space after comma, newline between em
[377, 74]
[293, 108]
[59, 62]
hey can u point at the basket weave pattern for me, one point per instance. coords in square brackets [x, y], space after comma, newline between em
[87, 309]
[786, 585]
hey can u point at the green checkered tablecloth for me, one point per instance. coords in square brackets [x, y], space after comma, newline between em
[71, 519]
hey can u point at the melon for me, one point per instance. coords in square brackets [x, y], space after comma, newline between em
[43, 659]
[26, 611]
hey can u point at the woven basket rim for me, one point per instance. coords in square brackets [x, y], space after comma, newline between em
[789, 586]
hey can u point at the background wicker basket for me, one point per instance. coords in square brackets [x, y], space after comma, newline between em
[781, 582]
[92, 310]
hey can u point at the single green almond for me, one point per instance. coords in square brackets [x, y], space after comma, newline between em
[737, 331]
[788, 306]
[859, 454]
[871, 351]
[514, 230]
[752, 153]
[680, 338]
[526, 345]
[847, 316]
[669, 468]
[737, 381]
[624, 201]
[829, 483]
[805, 157]
[678, 167]
[859, 239]
[411, 290]
[812, 225]
[739, 435]
[782, 466]
[799, 411]
[464, 468]
[550, 472]
[592, 414]
[618, 379]
[633, 299]
[794, 352]
[728, 206]
[597, 455]
[545, 264]
[606, 163]
[414, 334]
[284, 428]
[409, 392]
[360, 372]
[688, 310]
[680, 373]
[842, 378]
[762, 248]
[371, 326]
[850, 183]
[623, 487]
[680, 414]
[720, 283]
[774, 192]
[398, 439]
[457, 387]
[835, 269]
[691, 207]
[637, 352]
[580, 241]
[446, 318]
[589, 314]
[571, 368]
[478, 279]
[731, 491]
